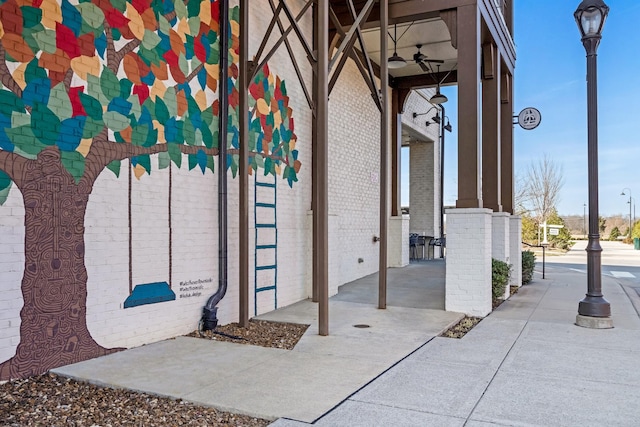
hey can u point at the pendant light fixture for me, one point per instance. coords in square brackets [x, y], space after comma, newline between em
[438, 98]
[395, 61]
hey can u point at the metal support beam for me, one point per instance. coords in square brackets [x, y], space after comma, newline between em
[422, 81]
[506, 143]
[320, 167]
[384, 136]
[491, 164]
[307, 96]
[262, 61]
[350, 34]
[469, 159]
[396, 154]
[243, 220]
[360, 58]
[316, 262]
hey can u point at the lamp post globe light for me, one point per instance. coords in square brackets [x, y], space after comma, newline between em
[593, 311]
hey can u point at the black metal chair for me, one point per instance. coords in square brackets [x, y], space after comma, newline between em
[413, 245]
[418, 242]
[436, 242]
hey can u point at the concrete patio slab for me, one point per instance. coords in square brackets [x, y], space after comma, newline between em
[301, 386]
[174, 367]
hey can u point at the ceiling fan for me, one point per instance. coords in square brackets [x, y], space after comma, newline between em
[422, 60]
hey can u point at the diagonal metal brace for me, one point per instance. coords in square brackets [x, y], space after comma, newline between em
[351, 33]
[281, 40]
[292, 56]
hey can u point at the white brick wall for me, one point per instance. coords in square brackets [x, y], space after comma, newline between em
[515, 249]
[468, 273]
[500, 240]
[354, 179]
[194, 234]
[424, 164]
[11, 266]
[354, 128]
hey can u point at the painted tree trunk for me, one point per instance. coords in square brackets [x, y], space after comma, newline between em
[54, 330]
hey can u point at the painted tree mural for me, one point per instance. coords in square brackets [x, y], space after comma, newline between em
[85, 85]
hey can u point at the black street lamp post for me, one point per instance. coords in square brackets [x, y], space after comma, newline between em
[630, 217]
[443, 128]
[593, 311]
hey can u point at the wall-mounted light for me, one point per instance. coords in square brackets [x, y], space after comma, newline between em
[422, 114]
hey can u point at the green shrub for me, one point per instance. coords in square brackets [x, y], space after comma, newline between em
[614, 233]
[500, 272]
[528, 263]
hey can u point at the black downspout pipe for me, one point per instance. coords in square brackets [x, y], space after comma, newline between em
[209, 313]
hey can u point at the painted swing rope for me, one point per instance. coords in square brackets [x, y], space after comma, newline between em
[85, 86]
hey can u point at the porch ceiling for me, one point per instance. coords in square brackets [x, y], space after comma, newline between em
[417, 24]
[432, 34]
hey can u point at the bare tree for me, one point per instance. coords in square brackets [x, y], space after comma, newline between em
[541, 187]
[521, 196]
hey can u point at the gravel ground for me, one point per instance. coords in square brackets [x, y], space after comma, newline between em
[50, 400]
[461, 328]
[260, 332]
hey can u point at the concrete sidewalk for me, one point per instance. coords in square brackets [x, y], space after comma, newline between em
[525, 364]
[304, 383]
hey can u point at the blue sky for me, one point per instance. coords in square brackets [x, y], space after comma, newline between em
[551, 76]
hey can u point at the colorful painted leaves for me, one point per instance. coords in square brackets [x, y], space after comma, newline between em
[138, 72]
[271, 129]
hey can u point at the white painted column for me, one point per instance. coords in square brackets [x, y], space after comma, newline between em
[422, 189]
[398, 247]
[468, 272]
[515, 249]
[500, 240]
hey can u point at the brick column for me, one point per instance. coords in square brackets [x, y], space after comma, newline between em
[500, 243]
[515, 249]
[468, 273]
[398, 248]
[422, 189]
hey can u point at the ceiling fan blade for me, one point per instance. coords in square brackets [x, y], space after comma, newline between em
[424, 67]
[435, 61]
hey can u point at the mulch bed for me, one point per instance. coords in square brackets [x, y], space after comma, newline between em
[50, 400]
[260, 332]
[461, 328]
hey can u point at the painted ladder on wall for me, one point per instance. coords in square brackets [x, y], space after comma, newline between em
[266, 244]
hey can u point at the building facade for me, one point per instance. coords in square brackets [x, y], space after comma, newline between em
[109, 169]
